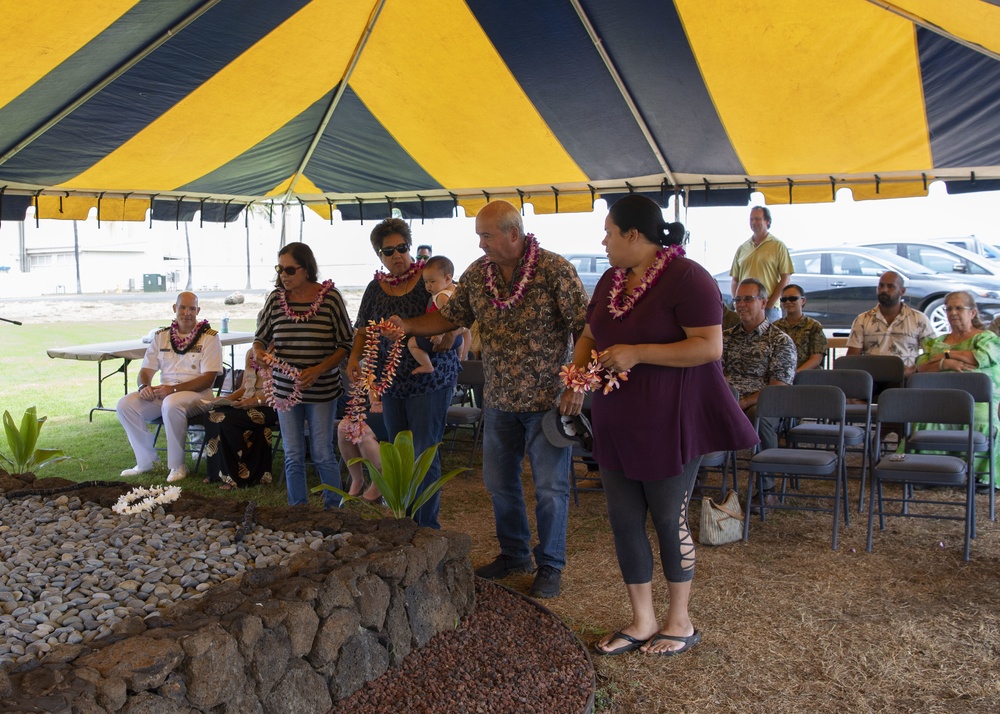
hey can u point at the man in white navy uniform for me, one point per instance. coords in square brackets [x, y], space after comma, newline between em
[188, 356]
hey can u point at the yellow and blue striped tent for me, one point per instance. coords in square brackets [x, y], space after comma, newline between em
[422, 105]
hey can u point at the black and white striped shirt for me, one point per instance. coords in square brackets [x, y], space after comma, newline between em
[307, 343]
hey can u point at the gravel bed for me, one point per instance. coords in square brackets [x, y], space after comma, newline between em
[509, 656]
[70, 571]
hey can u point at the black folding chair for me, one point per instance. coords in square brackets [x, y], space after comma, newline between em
[855, 384]
[944, 438]
[821, 403]
[906, 406]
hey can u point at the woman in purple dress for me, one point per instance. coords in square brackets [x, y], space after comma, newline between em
[658, 316]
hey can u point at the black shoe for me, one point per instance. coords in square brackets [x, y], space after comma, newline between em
[503, 566]
[546, 583]
[985, 487]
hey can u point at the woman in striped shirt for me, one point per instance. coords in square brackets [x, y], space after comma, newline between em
[308, 324]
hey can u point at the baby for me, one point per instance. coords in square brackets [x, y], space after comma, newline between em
[438, 279]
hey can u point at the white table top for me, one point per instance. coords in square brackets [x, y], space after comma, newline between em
[129, 349]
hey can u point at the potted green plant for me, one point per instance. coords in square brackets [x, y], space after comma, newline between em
[400, 476]
[24, 457]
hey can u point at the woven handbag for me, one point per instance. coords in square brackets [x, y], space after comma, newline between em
[721, 523]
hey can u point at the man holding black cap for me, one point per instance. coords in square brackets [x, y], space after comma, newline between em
[528, 303]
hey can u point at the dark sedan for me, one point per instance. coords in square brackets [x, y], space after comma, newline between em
[841, 283]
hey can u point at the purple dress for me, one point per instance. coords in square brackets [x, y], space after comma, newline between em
[663, 417]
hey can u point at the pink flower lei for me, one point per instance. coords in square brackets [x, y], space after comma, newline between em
[390, 279]
[621, 305]
[356, 413]
[531, 253]
[325, 287]
[593, 377]
[182, 344]
[272, 363]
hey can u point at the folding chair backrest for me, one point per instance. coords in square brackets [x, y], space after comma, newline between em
[945, 406]
[978, 384]
[472, 373]
[806, 401]
[854, 383]
[886, 370]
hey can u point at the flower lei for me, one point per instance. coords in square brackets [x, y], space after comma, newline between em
[140, 500]
[270, 389]
[325, 287]
[531, 254]
[621, 305]
[390, 279]
[182, 344]
[592, 377]
[355, 413]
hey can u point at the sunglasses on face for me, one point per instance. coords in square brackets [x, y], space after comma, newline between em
[745, 298]
[388, 250]
[790, 298]
[290, 270]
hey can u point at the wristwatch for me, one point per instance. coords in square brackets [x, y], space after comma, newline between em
[142, 386]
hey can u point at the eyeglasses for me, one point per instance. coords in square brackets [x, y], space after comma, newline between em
[790, 298]
[290, 270]
[388, 250]
[956, 308]
[746, 298]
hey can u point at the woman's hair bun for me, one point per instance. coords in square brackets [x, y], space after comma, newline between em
[674, 234]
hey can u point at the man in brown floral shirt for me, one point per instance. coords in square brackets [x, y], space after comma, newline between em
[528, 303]
[756, 354]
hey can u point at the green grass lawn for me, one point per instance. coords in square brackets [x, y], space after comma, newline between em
[65, 391]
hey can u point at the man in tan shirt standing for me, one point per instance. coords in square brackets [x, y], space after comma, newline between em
[765, 258]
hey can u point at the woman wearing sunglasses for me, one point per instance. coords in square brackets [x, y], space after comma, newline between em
[311, 331]
[418, 402]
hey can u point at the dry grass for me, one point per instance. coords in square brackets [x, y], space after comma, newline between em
[789, 624]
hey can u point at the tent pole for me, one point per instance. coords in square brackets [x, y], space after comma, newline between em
[342, 87]
[936, 29]
[620, 83]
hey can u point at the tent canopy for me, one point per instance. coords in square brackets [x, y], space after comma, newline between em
[422, 105]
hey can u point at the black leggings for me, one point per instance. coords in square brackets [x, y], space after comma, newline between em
[667, 500]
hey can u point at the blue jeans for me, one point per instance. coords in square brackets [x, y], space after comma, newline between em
[321, 448]
[424, 416]
[505, 437]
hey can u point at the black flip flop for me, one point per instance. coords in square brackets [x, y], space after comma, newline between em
[632, 646]
[689, 642]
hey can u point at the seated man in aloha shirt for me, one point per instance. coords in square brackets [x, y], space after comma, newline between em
[188, 356]
[892, 327]
[806, 333]
[756, 354]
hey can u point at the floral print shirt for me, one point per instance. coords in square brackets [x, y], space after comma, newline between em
[751, 360]
[902, 338]
[807, 335]
[525, 346]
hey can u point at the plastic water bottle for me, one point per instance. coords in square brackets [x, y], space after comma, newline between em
[225, 323]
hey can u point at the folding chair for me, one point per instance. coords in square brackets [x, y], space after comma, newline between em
[980, 387]
[888, 372]
[823, 403]
[855, 384]
[905, 406]
[468, 417]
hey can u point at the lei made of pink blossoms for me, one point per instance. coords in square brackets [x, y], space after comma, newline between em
[531, 253]
[182, 344]
[620, 305]
[390, 279]
[593, 377]
[356, 411]
[325, 287]
[281, 404]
